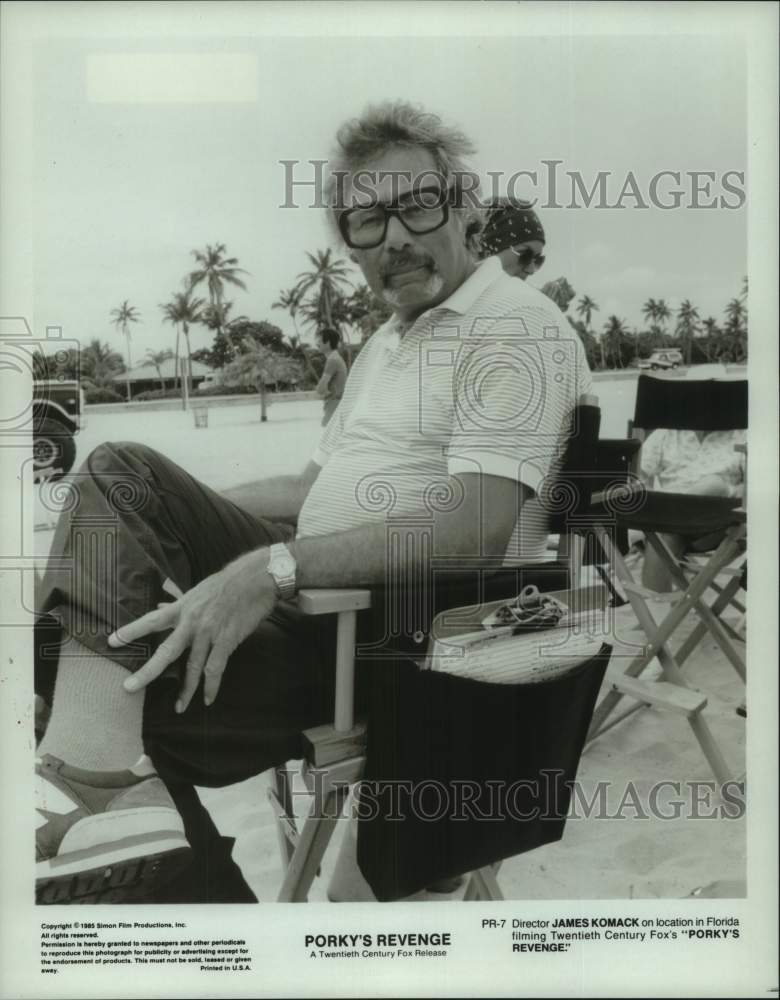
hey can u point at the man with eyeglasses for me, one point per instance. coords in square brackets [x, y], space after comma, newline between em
[514, 234]
[453, 417]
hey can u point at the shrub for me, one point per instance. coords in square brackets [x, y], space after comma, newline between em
[102, 395]
[226, 390]
[158, 394]
[214, 390]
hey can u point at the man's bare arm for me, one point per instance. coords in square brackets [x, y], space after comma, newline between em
[218, 613]
[278, 498]
[323, 386]
[477, 528]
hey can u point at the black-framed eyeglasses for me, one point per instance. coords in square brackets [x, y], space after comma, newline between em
[527, 256]
[422, 211]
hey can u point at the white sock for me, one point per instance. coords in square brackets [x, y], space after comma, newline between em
[95, 724]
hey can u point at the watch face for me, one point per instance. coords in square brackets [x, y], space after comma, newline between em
[283, 565]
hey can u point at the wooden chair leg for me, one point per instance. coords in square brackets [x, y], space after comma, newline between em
[280, 794]
[483, 885]
[312, 844]
[721, 557]
[658, 647]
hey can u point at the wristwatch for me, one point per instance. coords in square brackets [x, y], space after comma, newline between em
[282, 566]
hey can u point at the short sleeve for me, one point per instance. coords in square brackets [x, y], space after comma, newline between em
[515, 391]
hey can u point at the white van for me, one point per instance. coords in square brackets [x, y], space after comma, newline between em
[667, 358]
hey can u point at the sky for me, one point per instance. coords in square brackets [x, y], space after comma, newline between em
[148, 147]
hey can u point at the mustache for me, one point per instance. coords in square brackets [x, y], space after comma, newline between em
[406, 260]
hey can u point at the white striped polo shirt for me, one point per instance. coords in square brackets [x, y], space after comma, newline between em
[484, 382]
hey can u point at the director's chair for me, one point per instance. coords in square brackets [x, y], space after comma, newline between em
[707, 405]
[335, 755]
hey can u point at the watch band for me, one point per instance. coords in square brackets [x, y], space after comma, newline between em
[281, 567]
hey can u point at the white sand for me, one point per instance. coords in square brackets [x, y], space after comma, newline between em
[598, 858]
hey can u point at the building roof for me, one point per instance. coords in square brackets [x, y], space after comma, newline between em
[145, 372]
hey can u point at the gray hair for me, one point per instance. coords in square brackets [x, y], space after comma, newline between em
[400, 124]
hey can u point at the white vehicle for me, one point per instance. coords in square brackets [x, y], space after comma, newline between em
[58, 414]
[208, 383]
[669, 358]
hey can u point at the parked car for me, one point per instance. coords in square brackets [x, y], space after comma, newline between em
[58, 409]
[662, 359]
[209, 382]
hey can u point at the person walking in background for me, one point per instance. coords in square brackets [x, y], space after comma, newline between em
[331, 386]
[514, 234]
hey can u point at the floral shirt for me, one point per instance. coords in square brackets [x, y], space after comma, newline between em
[675, 461]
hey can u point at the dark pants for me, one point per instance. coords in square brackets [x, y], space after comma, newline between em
[137, 521]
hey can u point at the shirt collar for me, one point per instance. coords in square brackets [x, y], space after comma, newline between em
[461, 300]
[464, 297]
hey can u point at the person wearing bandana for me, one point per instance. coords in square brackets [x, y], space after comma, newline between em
[514, 234]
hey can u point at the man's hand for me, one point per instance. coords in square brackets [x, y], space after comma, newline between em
[210, 620]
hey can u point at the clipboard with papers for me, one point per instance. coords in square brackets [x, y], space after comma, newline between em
[533, 638]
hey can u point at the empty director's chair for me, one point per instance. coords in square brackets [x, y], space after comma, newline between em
[337, 755]
[708, 405]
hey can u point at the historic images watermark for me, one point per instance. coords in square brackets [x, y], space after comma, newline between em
[547, 797]
[311, 184]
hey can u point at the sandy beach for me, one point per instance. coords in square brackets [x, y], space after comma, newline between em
[621, 854]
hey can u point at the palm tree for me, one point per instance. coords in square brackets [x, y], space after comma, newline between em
[298, 351]
[215, 317]
[585, 308]
[99, 364]
[325, 282]
[736, 330]
[183, 310]
[257, 365]
[156, 359]
[615, 332]
[735, 312]
[290, 300]
[366, 312]
[123, 317]
[560, 291]
[655, 312]
[688, 325]
[216, 270]
[713, 334]
[650, 311]
[663, 313]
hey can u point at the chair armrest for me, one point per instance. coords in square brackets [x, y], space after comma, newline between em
[332, 601]
[345, 603]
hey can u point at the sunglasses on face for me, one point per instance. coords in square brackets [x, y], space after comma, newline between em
[422, 211]
[527, 256]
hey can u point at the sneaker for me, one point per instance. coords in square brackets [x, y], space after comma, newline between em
[104, 836]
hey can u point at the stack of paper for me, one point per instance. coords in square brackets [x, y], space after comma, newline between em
[497, 656]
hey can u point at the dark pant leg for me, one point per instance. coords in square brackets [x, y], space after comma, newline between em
[278, 683]
[212, 876]
[137, 521]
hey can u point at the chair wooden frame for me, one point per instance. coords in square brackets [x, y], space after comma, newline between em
[335, 755]
[335, 758]
[674, 693]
